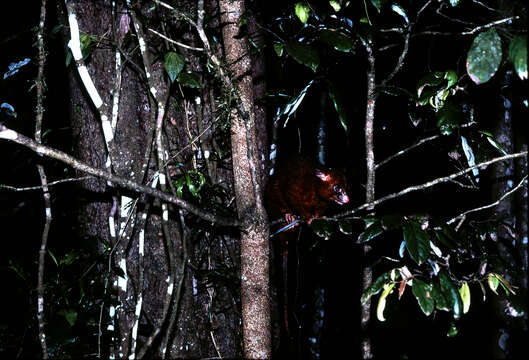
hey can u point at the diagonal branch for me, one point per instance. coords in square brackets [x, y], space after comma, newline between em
[9, 134]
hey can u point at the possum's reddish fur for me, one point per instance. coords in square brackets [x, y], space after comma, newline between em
[301, 188]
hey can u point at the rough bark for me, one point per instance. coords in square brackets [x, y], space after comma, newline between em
[254, 234]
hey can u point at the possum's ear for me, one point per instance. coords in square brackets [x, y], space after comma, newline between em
[323, 176]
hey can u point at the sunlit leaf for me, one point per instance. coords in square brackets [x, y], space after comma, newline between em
[382, 301]
[464, 292]
[302, 11]
[174, 63]
[518, 55]
[303, 54]
[484, 56]
[422, 292]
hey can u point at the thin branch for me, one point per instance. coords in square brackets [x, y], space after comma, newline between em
[403, 151]
[40, 187]
[430, 183]
[507, 194]
[9, 134]
[174, 41]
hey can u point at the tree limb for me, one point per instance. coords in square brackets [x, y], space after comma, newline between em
[9, 134]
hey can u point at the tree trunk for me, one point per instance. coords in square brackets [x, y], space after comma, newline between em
[248, 191]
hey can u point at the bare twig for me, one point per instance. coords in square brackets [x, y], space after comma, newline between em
[9, 134]
[430, 183]
[40, 187]
[507, 194]
[174, 41]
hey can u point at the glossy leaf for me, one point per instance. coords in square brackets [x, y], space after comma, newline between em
[278, 48]
[174, 63]
[451, 293]
[322, 227]
[448, 118]
[399, 10]
[453, 330]
[376, 286]
[292, 105]
[340, 109]
[302, 11]
[378, 4]
[371, 232]
[335, 5]
[345, 227]
[464, 292]
[417, 241]
[337, 40]
[518, 55]
[484, 56]
[303, 54]
[422, 292]
[382, 301]
[441, 302]
[493, 282]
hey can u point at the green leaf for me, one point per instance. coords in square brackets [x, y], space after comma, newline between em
[441, 302]
[448, 118]
[451, 293]
[376, 286]
[378, 4]
[340, 109]
[453, 330]
[322, 227]
[518, 55]
[464, 292]
[53, 258]
[493, 282]
[174, 63]
[484, 56]
[189, 79]
[422, 292]
[302, 11]
[371, 232]
[382, 301]
[417, 241]
[303, 54]
[345, 227]
[278, 48]
[69, 314]
[335, 5]
[337, 40]
[399, 10]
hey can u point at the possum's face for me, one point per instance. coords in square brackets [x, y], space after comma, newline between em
[333, 186]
